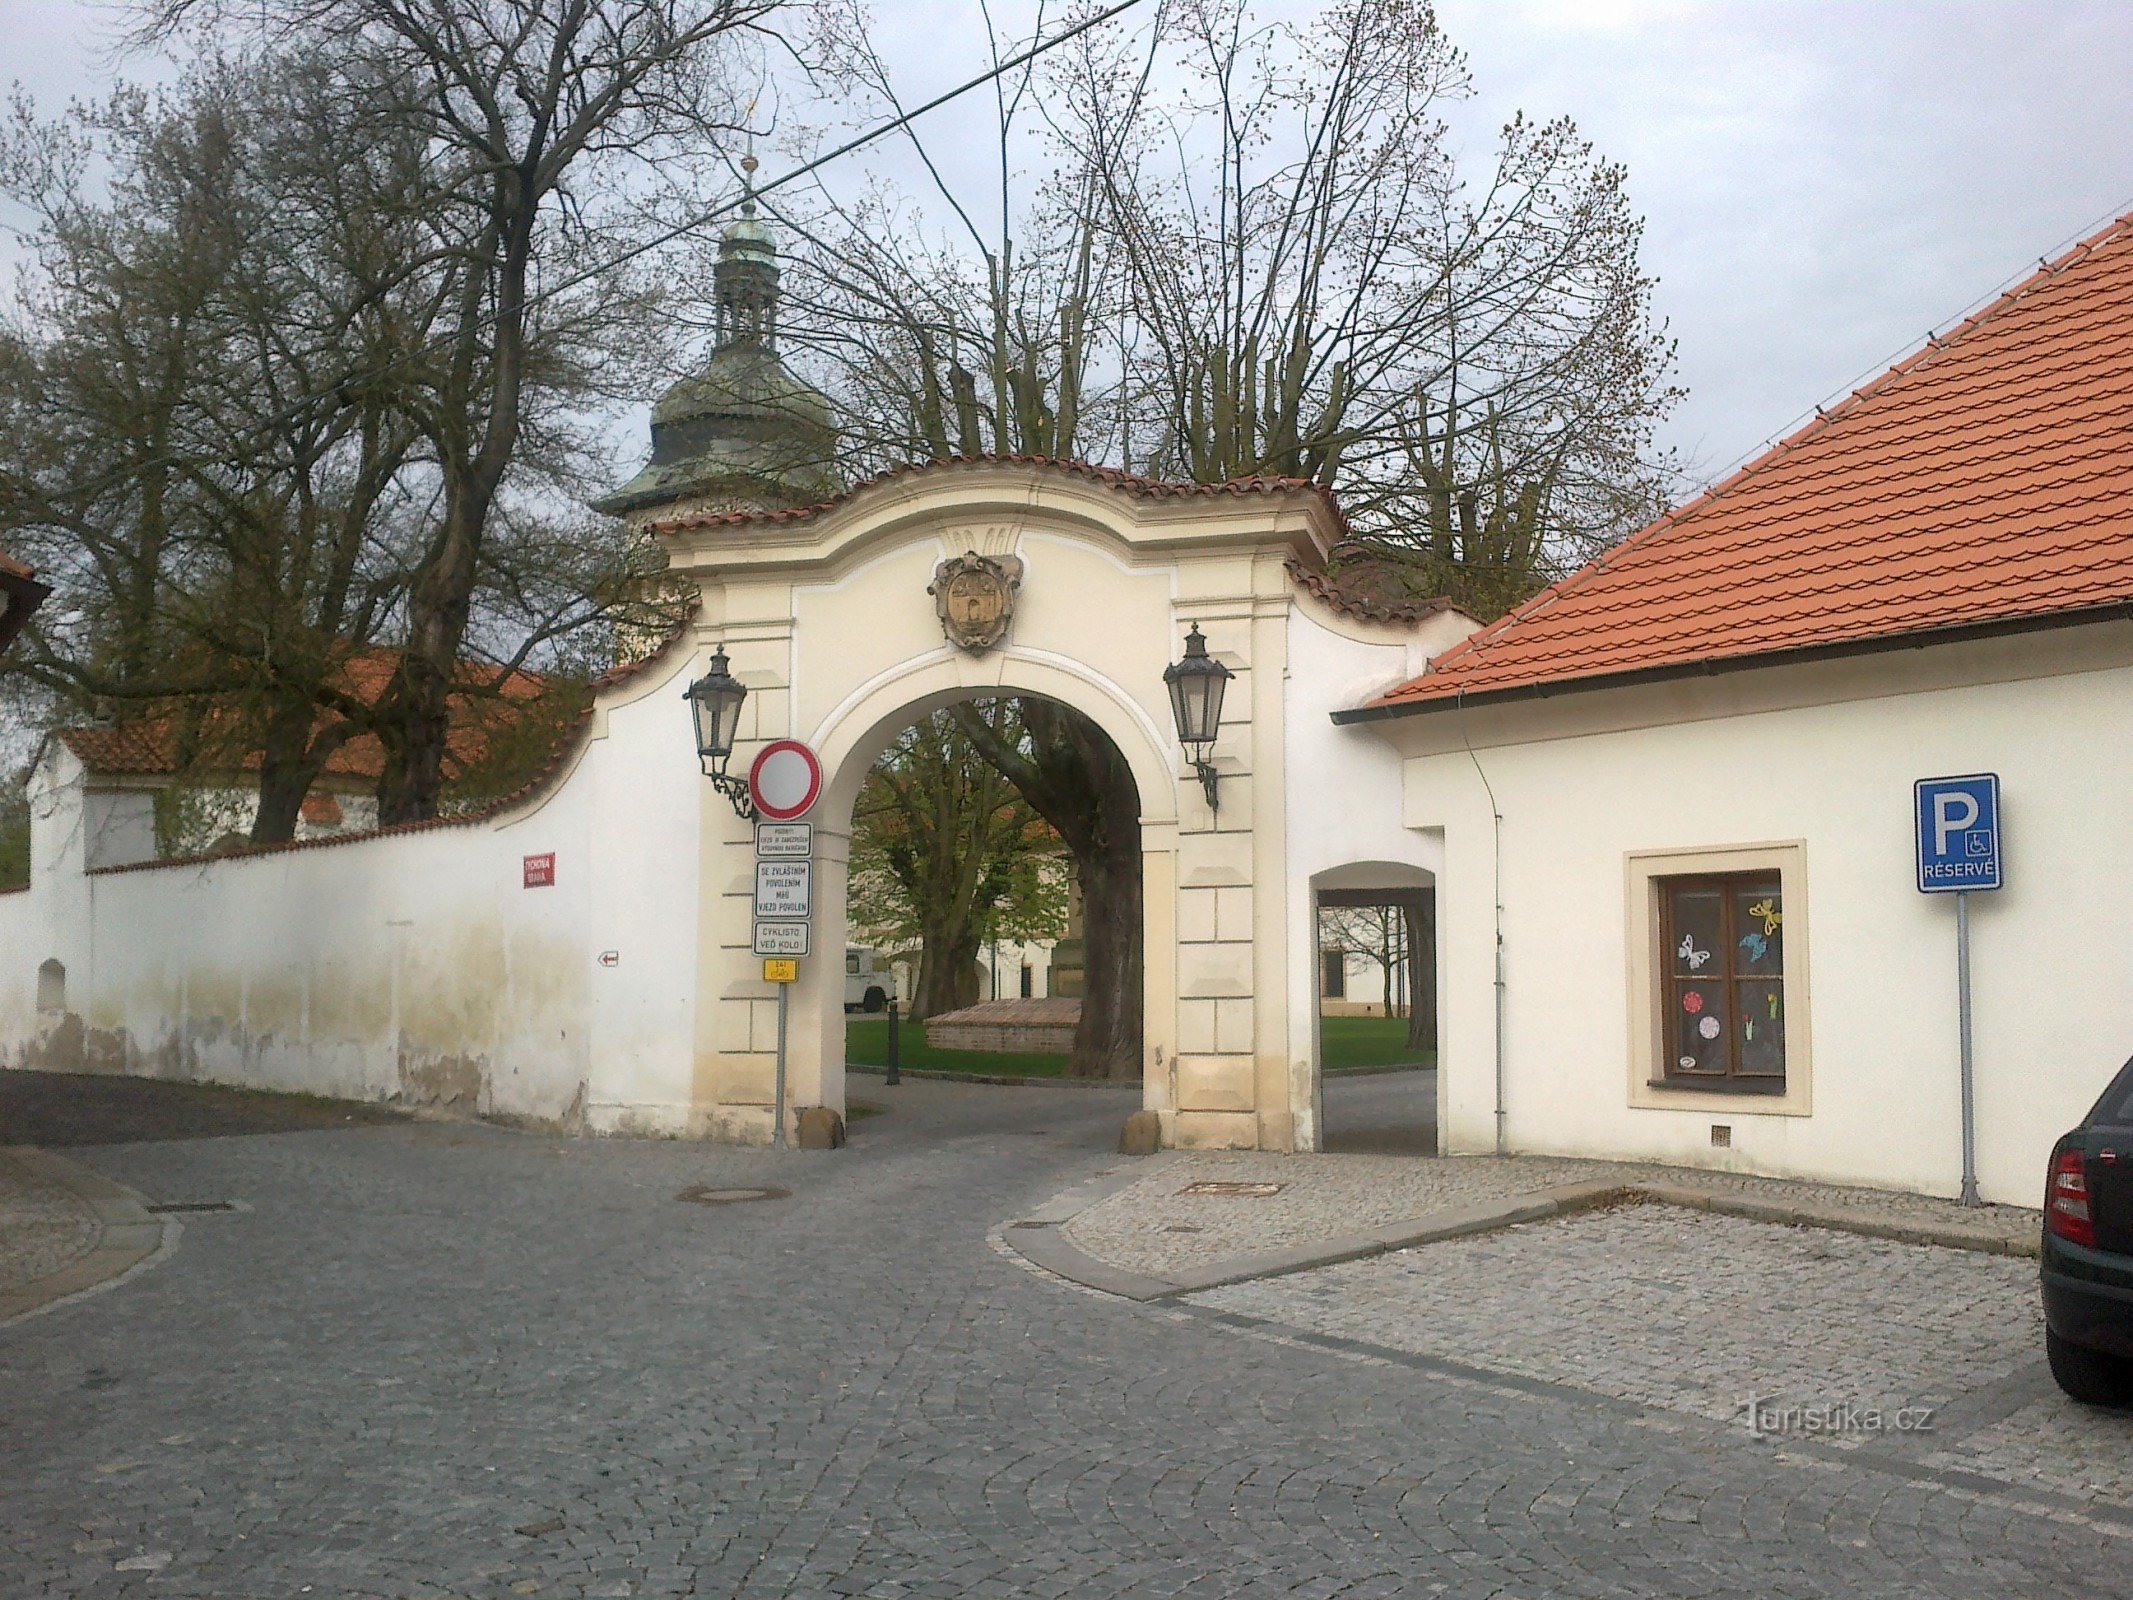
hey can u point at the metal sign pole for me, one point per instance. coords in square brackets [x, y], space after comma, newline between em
[778, 1112]
[1962, 1005]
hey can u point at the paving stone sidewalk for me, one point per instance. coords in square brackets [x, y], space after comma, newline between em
[1912, 1352]
[1344, 1205]
[63, 1230]
[45, 1227]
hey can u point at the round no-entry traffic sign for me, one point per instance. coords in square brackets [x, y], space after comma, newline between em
[785, 780]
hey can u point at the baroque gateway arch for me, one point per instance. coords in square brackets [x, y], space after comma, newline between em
[828, 616]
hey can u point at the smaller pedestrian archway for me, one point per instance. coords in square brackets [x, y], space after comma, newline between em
[1376, 1025]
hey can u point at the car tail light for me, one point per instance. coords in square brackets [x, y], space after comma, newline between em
[2066, 1201]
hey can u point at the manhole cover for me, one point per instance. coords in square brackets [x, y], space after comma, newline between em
[705, 1194]
[1233, 1189]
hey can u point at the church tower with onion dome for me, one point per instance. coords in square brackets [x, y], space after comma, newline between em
[744, 434]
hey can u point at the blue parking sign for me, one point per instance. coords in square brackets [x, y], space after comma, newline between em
[1958, 833]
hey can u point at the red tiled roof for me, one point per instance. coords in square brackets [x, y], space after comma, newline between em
[1366, 583]
[1985, 481]
[149, 746]
[1111, 477]
[540, 783]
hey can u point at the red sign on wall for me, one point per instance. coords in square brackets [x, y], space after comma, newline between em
[540, 871]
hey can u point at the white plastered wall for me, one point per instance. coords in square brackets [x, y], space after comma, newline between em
[1823, 755]
[1344, 789]
[414, 967]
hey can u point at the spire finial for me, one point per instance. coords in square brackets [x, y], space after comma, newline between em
[748, 166]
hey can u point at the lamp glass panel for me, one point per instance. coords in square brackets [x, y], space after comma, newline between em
[1197, 699]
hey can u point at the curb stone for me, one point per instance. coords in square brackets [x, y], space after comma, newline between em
[127, 1235]
[1037, 1237]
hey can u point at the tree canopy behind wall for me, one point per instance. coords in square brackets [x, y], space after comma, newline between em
[314, 368]
[1218, 248]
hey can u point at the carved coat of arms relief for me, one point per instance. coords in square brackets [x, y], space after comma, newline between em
[974, 596]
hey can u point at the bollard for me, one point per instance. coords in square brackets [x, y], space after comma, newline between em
[895, 1048]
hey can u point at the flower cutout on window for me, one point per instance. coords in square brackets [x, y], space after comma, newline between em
[1693, 956]
[1767, 909]
[1692, 1002]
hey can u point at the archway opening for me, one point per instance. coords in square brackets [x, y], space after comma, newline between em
[993, 897]
[51, 988]
[1376, 1033]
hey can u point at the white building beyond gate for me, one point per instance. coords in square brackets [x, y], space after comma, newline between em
[441, 965]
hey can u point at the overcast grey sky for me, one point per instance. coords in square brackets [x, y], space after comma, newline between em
[1823, 182]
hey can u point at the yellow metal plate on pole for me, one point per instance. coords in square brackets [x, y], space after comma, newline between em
[777, 971]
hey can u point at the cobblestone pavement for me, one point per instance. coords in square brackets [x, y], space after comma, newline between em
[1695, 1312]
[1152, 1228]
[435, 1360]
[43, 1227]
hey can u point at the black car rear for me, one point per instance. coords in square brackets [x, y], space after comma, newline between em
[2088, 1252]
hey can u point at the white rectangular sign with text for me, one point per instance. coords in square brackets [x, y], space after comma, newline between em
[783, 888]
[788, 839]
[787, 938]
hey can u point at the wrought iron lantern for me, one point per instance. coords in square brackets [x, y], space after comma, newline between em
[1197, 684]
[715, 701]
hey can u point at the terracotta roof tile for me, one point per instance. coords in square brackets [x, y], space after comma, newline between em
[1370, 584]
[1987, 479]
[149, 746]
[540, 783]
[1130, 483]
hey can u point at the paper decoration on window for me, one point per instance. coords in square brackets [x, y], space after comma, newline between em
[1767, 909]
[1748, 1028]
[1692, 1002]
[1686, 1063]
[1693, 956]
[1773, 1005]
[1708, 1027]
[1756, 946]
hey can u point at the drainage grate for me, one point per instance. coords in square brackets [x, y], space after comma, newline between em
[191, 1205]
[704, 1194]
[1234, 1190]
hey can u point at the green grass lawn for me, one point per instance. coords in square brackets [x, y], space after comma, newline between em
[1369, 1042]
[1348, 1042]
[866, 1044]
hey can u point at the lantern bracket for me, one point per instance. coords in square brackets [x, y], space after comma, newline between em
[1205, 772]
[734, 789]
